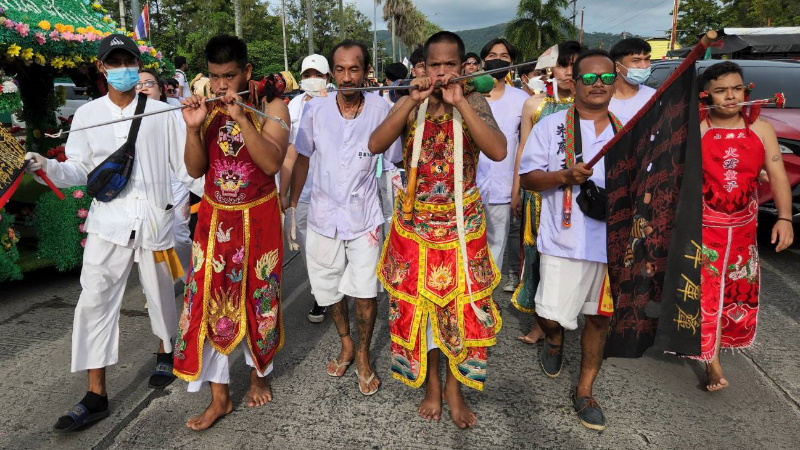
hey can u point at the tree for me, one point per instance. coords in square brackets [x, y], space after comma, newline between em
[327, 27]
[762, 13]
[695, 17]
[539, 24]
[393, 11]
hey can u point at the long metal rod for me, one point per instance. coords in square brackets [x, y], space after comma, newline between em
[264, 115]
[137, 116]
[452, 80]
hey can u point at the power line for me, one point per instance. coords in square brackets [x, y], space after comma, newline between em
[628, 10]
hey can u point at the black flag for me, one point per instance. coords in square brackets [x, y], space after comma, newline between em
[653, 181]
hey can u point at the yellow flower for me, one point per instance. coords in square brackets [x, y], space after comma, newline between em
[96, 5]
[140, 42]
[78, 58]
[69, 28]
[81, 30]
[153, 51]
[59, 27]
[45, 25]
[69, 63]
[13, 50]
[57, 62]
[39, 59]
[27, 54]
[37, 134]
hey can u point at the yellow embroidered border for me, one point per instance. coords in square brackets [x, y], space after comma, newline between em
[546, 100]
[220, 110]
[241, 207]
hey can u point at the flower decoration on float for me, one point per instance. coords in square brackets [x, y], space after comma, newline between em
[10, 99]
[780, 100]
[30, 34]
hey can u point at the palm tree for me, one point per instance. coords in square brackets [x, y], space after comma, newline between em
[412, 26]
[539, 25]
[392, 11]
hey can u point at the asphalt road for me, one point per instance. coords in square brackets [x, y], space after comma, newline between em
[654, 402]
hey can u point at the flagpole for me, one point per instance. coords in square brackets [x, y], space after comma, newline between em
[135, 12]
[122, 14]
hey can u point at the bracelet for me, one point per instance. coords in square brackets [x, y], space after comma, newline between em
[784, 218]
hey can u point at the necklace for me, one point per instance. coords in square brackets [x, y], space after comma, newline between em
[353, 115]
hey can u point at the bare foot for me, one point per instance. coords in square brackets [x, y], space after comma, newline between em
[460, 412]
[716, 381]
[431, 406]
[260, 393]
[337, 367]
[215, 411]
[535, 335]
[364, 371]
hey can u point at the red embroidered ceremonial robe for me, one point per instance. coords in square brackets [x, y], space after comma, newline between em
[422, 272]
[233, 287]
[729, 281]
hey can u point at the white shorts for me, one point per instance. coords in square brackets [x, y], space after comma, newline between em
[217, 368]
[568, 287]
[498, 221]
[337, 268]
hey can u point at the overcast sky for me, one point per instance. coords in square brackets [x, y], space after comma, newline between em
[642, 17]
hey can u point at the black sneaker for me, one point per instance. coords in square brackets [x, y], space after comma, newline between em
[317, 313]
[551, 357]
[589, 412]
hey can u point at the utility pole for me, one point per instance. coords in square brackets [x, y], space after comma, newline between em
[310, 25]
[122, 14]
[673, 35]
[135, 12]
[574, 12]
[375, 37]
[341, 20]
[237, 17]
[283, 26]
[581, 38]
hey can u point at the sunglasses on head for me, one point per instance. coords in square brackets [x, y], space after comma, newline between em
[471, 63]
[588, 79]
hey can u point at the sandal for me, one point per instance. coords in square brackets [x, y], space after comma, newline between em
[339, 366]
[367, 381]
[79, 417]
[162, 376]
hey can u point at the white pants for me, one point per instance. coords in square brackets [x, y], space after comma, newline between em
[568, 287]
[180, 226]
[217, 367]
[498, 220]
[337, 268]
[95, 328]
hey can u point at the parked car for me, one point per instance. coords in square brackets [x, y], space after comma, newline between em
[769, 78]
[76, 96]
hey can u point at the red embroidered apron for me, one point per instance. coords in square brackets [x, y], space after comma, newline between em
[423, 275]
[729, 277]
[233, 287]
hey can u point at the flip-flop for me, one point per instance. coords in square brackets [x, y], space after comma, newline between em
[80, 417]
[367, 381]
[339, 365]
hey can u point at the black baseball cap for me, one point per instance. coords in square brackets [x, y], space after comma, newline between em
[117, 42]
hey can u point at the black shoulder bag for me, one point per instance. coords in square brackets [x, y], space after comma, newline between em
[110, 176]
[592, 199]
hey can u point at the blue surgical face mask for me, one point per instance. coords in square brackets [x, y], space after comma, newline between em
[123, 79]
[636, 76]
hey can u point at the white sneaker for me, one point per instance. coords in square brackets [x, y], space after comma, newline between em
[512, 283]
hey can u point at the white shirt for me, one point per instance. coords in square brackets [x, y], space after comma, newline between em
[296, 106]
[631, 106]
[142, 206]
[586, 238]
[495, 178]
[344, 195]
[183, 82]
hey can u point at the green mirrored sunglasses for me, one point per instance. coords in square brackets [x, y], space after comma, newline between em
[589, 79]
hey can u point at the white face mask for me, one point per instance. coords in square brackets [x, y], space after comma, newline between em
[313, 86]
[536, 84]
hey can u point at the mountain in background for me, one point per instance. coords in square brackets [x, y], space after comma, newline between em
[475, 39]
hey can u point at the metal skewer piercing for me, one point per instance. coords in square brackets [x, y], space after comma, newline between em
[264, 115]
[752, 102]
[452, 80]
[174, 108]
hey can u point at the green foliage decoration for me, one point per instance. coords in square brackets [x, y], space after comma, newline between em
[59, 226]
[9, 255]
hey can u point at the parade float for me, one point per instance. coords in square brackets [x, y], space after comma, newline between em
[41, 41]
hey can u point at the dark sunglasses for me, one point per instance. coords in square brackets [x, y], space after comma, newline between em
[589, 79]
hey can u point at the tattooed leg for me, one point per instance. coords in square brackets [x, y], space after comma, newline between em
[340, 314]
[366, 313]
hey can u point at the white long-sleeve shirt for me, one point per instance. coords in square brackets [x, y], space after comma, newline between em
[143, 206]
